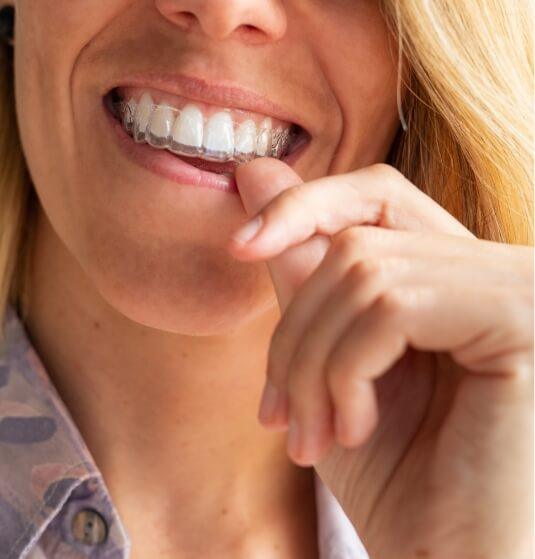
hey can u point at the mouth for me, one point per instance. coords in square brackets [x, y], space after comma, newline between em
[212, 139]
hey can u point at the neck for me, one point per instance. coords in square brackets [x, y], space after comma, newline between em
[170, 419]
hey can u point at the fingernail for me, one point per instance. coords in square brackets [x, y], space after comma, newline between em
[294, 438]
[248, 231]
[268, 404]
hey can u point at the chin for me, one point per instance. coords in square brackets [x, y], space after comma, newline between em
[199, 291]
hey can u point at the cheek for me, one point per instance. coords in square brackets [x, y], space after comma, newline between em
[51, 37]
[359, 57]
[357, 47]
[44, 62]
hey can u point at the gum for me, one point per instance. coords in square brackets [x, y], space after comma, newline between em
[277, 141]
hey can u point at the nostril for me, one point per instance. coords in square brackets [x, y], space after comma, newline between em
[187, 15]
[186, 20]
[252, 31]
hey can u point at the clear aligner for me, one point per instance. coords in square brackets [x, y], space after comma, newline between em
[153, 124]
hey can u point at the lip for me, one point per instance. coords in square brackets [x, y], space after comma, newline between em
[222, 93]
[169, 166]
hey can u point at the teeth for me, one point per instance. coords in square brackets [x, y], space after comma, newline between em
[188, 130]
[245, 142]
[141, 117]
[128, 116]
[280, 141]
[263, 143]
[160, 124]
[218, 141]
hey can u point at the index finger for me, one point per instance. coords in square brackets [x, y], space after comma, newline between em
[375, 195]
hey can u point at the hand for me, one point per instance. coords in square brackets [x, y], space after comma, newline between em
[403, 360]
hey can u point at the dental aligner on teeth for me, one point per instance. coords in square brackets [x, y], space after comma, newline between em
[163, 126]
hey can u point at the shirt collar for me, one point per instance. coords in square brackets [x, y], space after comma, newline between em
[44, 462]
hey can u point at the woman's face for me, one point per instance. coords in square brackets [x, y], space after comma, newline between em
[150, 244]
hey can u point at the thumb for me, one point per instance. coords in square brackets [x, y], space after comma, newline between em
[259, 182]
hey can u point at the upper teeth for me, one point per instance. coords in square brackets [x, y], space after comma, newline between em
[187, 132]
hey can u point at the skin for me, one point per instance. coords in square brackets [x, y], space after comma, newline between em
[403, 362]
[155, 336]
[124, 261]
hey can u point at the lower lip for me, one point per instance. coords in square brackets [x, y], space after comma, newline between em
[165, 164]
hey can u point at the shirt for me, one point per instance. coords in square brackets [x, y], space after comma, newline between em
[54, 502]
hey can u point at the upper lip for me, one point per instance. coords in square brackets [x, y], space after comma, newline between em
[225, 94]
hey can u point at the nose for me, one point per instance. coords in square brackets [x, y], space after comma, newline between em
[254, 20]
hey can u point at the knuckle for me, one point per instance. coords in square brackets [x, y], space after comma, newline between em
[365, 271]
[393, 302]
[388, 174]
[293, 196]
[340, 378]
[342, 246]
[352, 239]
[394, 187]
[279, 205]
[522, 370]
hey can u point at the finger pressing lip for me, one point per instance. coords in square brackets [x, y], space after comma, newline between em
[259, 182]
[371, 196]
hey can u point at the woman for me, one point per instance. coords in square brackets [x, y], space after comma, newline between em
[386, 302]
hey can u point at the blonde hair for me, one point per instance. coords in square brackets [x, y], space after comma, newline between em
[468, 144]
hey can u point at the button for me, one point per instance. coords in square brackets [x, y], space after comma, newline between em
[89, 527]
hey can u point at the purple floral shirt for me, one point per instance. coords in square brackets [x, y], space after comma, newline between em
[54, 502]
